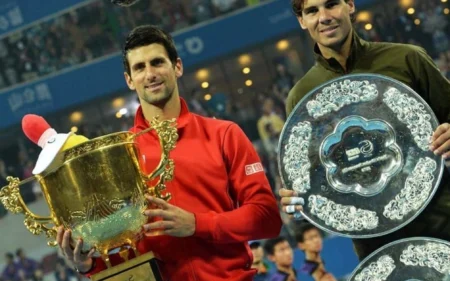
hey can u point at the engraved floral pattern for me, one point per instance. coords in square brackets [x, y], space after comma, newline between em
[412, 113]
[339, 94]
[95, 144]
[377, 271]
[296, 160]
[416, 191]
[432, 255]
[341, 217]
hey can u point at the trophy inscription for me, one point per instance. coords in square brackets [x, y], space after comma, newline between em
[361, 156]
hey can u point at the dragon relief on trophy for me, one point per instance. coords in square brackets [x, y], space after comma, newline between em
[98, 208]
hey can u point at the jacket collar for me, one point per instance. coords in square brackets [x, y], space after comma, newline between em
[356, 48]
[140, 123]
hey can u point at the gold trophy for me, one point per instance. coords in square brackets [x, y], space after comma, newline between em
[96, 189]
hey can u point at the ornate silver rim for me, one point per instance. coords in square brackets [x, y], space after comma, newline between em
[393, 99]
[434, 255]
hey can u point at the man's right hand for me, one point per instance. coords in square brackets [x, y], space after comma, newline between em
[291, 202]
[82, 262]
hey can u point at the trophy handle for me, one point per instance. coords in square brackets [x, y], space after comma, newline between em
[12, 200]
[168, 136]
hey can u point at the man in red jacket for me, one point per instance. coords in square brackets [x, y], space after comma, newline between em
[221, 198]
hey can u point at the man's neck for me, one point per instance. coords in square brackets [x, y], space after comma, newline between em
[170, 109]
[313, 256]
[285, 269]
[341, 53]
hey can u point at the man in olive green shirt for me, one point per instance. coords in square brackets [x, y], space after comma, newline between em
[339, 51]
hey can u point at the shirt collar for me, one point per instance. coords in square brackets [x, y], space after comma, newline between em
[182, 120]
[356, 48]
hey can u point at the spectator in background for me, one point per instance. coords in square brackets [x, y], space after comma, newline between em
[443, 64]
[10, 272]
[219, 105]
[258, 262]
[3, 183]
[284, 81]
[281, 253]
[64, 273]
[201, 10]
[309, 240]
[3, 173]
[27, 265]
[269, 126]
[224, 6]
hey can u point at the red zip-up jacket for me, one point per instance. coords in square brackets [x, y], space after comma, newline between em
[219, 178]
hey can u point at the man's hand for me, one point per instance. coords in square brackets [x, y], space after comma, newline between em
[83, 262]
[440, 141]
[292, 204]
[175, 221]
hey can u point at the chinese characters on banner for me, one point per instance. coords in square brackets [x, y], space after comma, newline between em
[30, 97]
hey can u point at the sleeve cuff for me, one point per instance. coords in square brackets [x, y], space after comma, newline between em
[97, 266]
[203, 225]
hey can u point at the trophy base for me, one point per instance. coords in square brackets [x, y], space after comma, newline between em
[141, 268]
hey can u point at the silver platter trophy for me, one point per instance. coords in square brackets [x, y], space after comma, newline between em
[357, 150]
[411, 259]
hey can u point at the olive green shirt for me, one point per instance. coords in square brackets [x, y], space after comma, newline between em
[406, 63]
[412, 66]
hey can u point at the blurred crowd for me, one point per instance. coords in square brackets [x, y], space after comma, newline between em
[93, 31]
[19, 267]
[426, 24]
[275, 259]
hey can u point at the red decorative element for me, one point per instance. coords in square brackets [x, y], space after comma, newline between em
[34, 126]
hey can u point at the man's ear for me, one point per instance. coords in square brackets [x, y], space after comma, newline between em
[301, 21]
[351, 6]
[129, 81]
[178, 68]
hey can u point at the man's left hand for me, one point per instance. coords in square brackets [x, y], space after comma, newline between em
[175, 221]
[440, 141]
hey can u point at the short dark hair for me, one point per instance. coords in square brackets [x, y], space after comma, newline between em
[301, 230]
[255, 245]
[145, 35]
[269, 246]
[19, 251]
[297, 8]
[9, 255]
[61, 262]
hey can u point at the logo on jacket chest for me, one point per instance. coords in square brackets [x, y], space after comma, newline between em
[253, 168]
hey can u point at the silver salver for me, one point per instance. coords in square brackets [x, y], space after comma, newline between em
[357, 150]
[410, 259]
